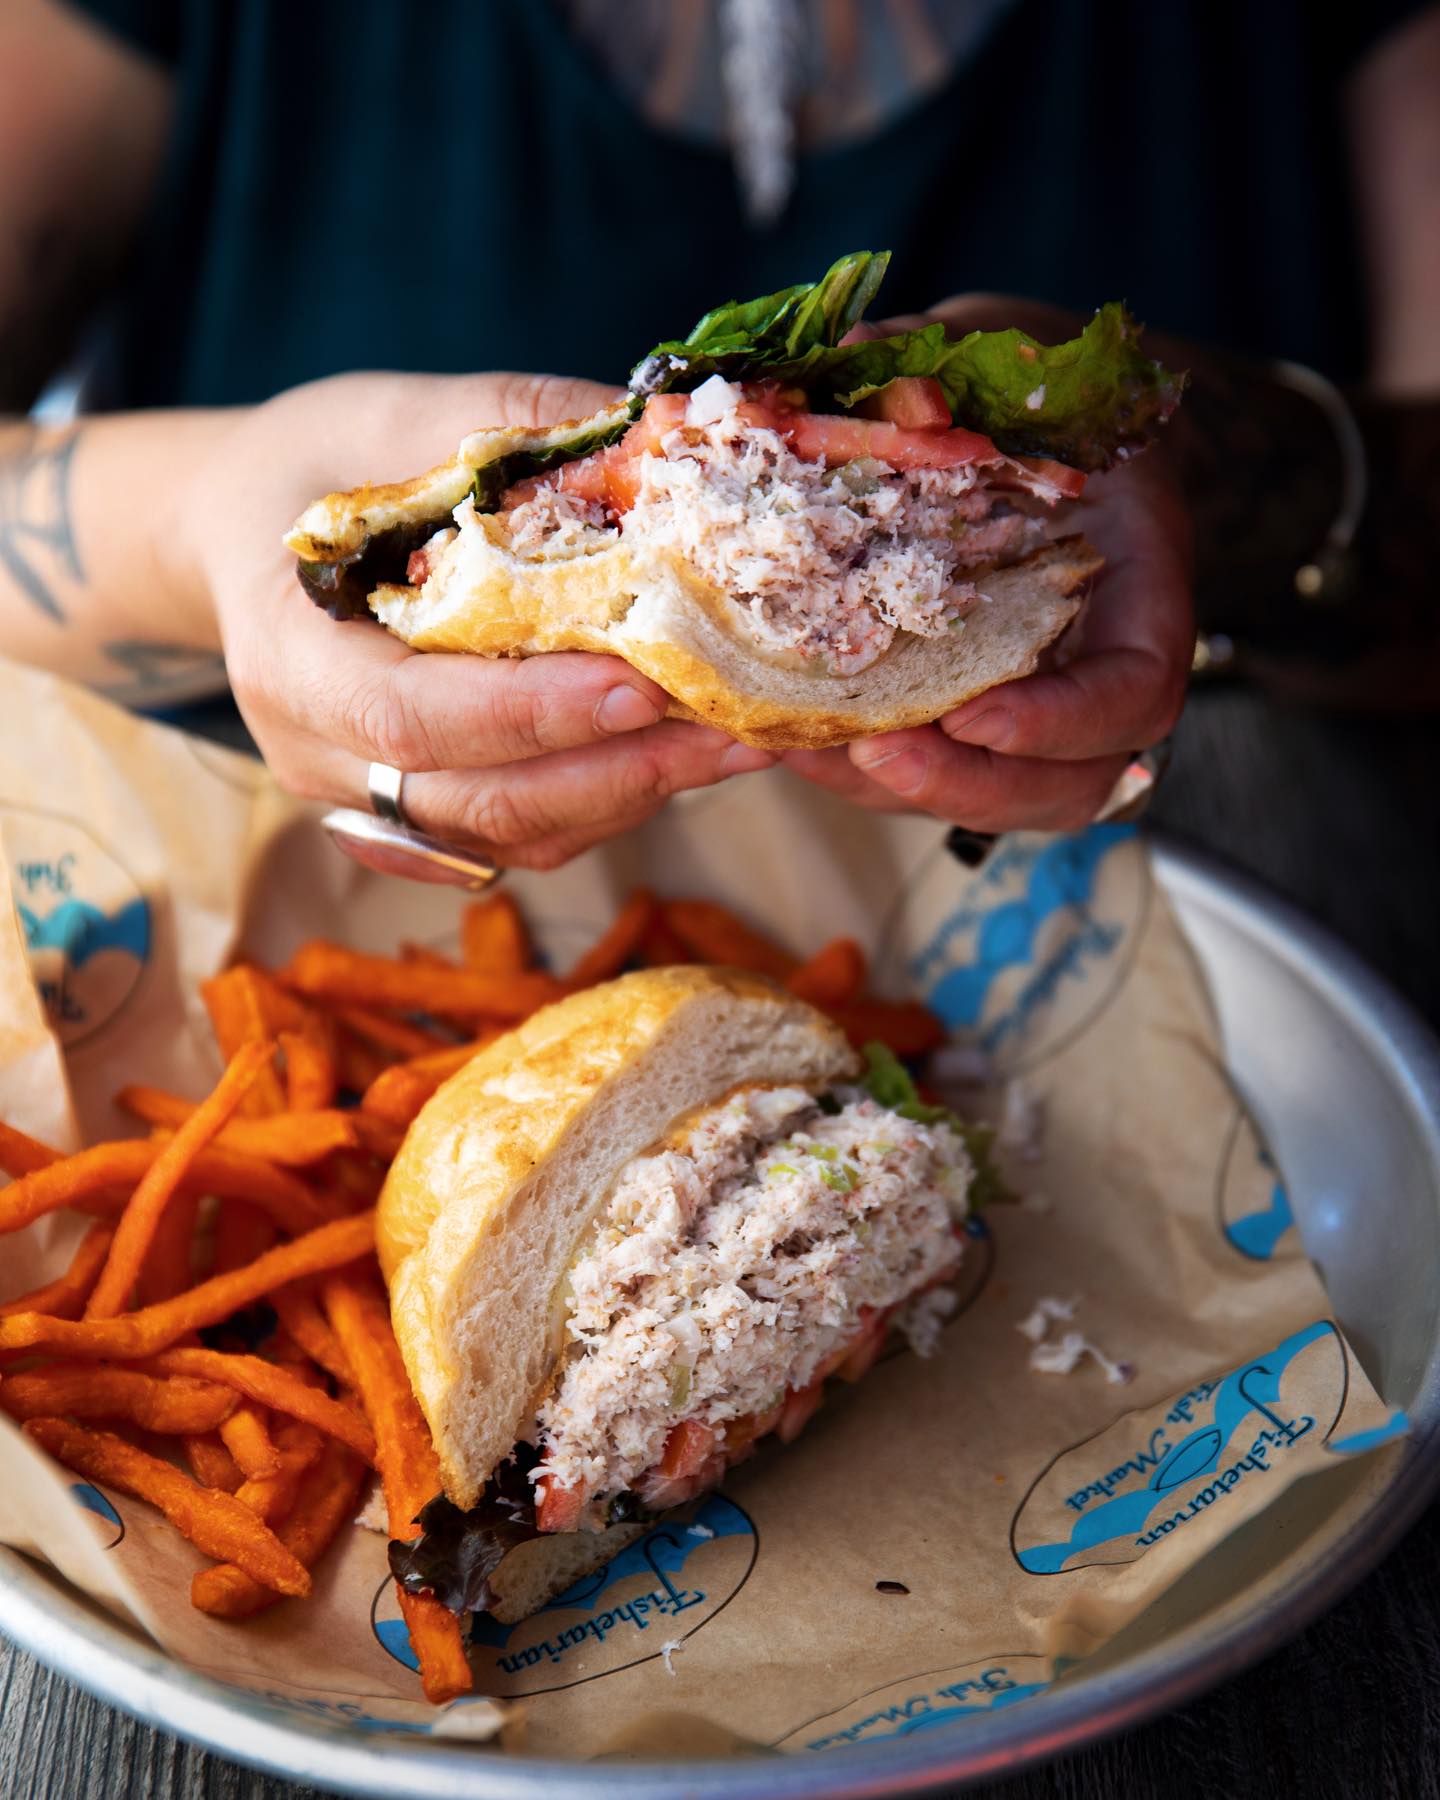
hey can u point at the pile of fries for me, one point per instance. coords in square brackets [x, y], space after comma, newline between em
[220, 1345]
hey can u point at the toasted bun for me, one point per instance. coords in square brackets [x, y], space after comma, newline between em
[647, 606]
[534, 1573]
[507, 1167]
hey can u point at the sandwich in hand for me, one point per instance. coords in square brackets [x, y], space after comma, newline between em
[633, 1238]
[803, 541]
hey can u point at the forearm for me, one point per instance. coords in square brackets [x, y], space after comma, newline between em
[91, 582]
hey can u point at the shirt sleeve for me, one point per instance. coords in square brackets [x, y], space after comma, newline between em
[150, 26]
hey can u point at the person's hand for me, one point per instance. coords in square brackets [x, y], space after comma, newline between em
[1044, 752]
[531, 760]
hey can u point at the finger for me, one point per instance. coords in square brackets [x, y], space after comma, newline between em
[565, 846]
[1125, 689]
[974, 787]
[834, 771]
[357, 687]
[574, 791]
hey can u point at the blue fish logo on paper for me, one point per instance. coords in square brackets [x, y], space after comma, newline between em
[87, 925]
[656, 1592]
[1114, 1497]
[1254, 1205]
[925, 1702]
[110, 1525]
[1037, 945]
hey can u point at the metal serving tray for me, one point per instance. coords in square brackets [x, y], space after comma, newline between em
[1345, 1084]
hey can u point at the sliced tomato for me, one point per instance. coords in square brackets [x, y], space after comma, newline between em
[915, 401]
[865, 1350]
[1043, 472]
[688, 1448]
[611, 477]
[801, 1405]
[832, 439]
[742, 1435]
[557, 1508]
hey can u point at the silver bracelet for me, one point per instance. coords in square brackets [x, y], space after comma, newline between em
[1323, 577]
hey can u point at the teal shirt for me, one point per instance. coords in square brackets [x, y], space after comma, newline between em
[456, 186]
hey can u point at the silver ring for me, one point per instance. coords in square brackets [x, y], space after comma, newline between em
[384, 785]
[385, 840]
[391, 848]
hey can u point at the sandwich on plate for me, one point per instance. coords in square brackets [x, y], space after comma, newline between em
[802, 540]
[632, 1239]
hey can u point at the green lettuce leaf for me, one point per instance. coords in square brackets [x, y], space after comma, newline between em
[780, 334]
[1088, 402]
[888, 1081]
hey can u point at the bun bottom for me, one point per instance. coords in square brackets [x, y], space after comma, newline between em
[650, 609]
[534, 1574]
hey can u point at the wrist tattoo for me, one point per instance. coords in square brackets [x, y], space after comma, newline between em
[163, 674]
[37, 533]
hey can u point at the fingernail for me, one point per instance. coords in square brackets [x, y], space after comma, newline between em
[744, 759]
[990, 726]
[902, 771]
[625, 709]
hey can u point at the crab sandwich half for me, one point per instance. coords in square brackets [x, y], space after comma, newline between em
[803, 541]
[633, 1238]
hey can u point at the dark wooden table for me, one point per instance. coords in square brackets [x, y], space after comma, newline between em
[1341, 816]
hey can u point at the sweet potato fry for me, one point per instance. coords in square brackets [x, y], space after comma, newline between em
[145, 1333]
[214, 1522]
[65, 1297]
[358, 1061]
[329, 1492]
[311, 1078]
[422, 953]
[289, 1138]
[398, 1093]
[713, 934]
[909, 1028]
[269, 1385]
[21, 1154]
[329, 972]
[182, 1406]
[435, 1638]
[396, 1037]
[167, 1269]
[409, 1468]
[621, 941]
[493, 937]
[832, 976]
[300, 1314]
[241, 1234]
[92, 1179]
[297, 1445]
[353, 1184]
[660, 948]
[247, 1437]
[212, 1464]
[158, 1185]
[247, 1006]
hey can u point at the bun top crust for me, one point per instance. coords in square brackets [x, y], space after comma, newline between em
[507, 1166]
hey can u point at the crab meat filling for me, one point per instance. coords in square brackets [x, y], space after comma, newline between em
[824, 565]
[765, 1245]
